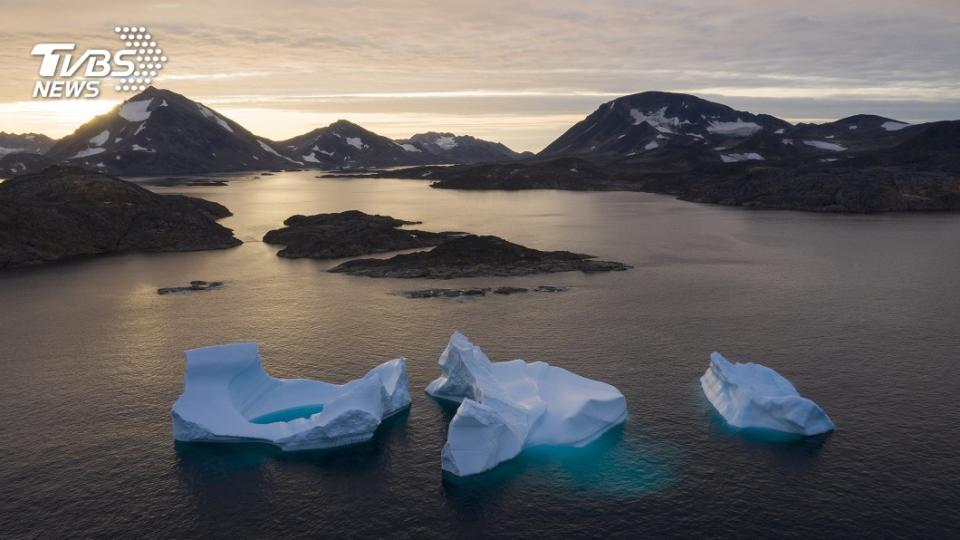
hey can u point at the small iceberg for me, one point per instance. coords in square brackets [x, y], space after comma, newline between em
[754, 396]
[228, 397]
[508, 406]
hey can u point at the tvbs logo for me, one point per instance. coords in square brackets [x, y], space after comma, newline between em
[67, 73]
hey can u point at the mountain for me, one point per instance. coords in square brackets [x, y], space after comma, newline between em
[161, 132]
[653, 122]
[30, 143]
[66, 212]
[851, 128]
[22, 163]
[680, 129]
[450, 148]
[23, 152]
[701, 151]
[345, 145]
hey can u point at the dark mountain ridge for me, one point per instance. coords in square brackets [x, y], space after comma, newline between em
[706, 152]
[30, 143]
[449, 148]
[161, 132]
[345, 145]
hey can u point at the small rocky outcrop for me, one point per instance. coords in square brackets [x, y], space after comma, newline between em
[66, 212]
[175, 181]
[349, 234]
[446, 293]
[194, 286]
[477, 291]
[471, 255]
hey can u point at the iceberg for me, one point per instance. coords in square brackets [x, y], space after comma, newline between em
[508, 406]
[228, 397]
[755, 396]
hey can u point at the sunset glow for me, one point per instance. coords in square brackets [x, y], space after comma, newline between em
[517, 73]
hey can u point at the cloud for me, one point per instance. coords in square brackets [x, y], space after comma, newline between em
[564, 57]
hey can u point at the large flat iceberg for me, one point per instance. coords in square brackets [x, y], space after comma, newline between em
[508, 406]
[755, 396]
[228, 397]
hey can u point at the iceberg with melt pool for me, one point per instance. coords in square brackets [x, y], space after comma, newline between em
[228, 397]
[755, 396]
[508, 406]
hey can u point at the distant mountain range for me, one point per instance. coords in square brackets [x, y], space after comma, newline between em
[702, 151]
[653, 141]
[33, 143]
[159, 132]
[22, 152]
[450, 148]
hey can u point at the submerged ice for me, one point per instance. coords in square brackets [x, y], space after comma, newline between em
[755, 396]
[228, 397]
[508, 406]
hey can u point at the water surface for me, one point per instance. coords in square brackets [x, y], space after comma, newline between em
[860, 312]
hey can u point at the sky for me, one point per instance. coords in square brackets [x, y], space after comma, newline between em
[518, 72]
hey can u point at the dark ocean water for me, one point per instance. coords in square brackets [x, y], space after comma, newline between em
[862, 313]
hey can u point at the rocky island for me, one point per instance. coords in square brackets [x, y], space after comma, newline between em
[471, 255]
[349, 234]
[196, 285]
[64, 212]
[478, 291]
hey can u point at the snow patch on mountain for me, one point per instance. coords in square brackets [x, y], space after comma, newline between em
[822, 145]
[409, 147]
[739, 128]
[658, 120]
[446, 142]
[267, 148]
[89, 152]
[749, 156]
[893, 126]
[207, 113]
[356, 142]
[101, 138]
[651, 145]
[135, 111]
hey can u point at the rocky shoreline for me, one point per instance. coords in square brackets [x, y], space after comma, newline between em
[851, 187]
[67, 212]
